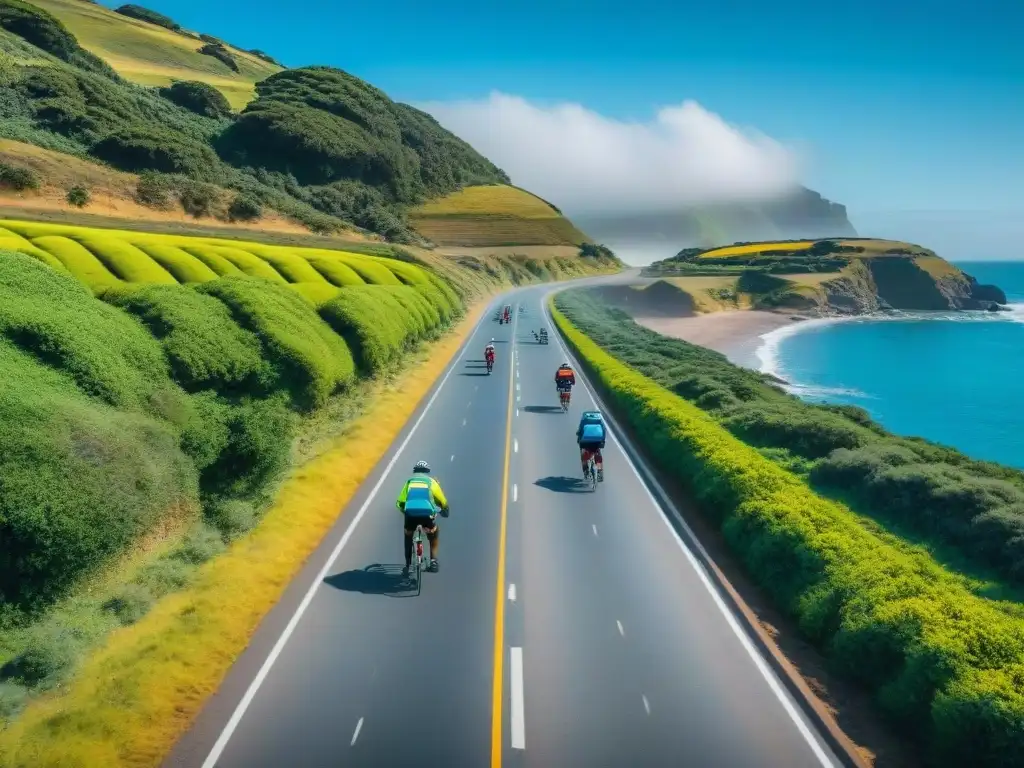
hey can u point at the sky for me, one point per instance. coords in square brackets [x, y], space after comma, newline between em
[907, 112]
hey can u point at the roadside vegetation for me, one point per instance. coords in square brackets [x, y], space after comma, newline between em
[899, 558]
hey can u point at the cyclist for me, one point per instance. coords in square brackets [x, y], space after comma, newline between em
[591, 435]
[420, 501]
[565, 379]
[489, 353]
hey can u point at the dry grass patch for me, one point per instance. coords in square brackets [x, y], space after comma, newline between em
[151, 55]
[490, 200]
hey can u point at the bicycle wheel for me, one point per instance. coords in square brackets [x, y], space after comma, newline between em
[592, 467]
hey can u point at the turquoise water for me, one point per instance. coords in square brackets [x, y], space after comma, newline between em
[954, 378]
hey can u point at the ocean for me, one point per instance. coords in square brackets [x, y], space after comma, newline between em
[953, 378]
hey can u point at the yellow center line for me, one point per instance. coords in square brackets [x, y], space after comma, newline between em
[499, 597]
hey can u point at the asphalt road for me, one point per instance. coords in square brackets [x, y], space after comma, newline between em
[610, 645]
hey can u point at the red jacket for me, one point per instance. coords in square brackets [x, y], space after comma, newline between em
[565, 374]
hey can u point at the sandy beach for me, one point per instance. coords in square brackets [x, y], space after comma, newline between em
[736, 334]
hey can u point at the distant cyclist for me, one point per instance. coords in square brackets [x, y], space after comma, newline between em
[420, 501]
[565, 380]
[489, 354]
[591, 435]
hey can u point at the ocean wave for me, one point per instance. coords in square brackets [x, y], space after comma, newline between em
[771, 364]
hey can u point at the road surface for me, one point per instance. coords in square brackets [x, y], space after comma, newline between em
[607, 641]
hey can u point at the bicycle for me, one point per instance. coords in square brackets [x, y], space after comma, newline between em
[563, 396]
[490, 365]
[417, 542]
[591, 473]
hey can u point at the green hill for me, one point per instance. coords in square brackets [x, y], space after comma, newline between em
[315, 144]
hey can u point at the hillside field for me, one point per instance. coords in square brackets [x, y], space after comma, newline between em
[148, 54]
[496, 215]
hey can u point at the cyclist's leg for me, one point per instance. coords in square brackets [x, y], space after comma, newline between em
[433, 536]
[584, 458]
[408, 539]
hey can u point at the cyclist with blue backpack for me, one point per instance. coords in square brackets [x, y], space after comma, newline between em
[590, 435]
[420, 500]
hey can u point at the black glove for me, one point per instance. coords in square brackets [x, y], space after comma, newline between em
[445, 511]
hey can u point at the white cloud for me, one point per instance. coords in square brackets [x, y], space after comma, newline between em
[585, 162]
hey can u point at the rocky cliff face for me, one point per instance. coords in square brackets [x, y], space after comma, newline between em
[908, 283]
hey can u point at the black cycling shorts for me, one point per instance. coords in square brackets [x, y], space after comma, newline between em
[592, 446]
[429, 523]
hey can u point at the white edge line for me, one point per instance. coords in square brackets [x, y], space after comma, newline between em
[766, 672]
[359, 727]
[518, 714]
[261, 675]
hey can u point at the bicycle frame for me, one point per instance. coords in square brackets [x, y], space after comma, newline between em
[592, 472]
[417, 541]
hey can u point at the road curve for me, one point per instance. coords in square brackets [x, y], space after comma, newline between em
[611, 645]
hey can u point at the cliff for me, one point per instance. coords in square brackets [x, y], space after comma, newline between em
[824, 277]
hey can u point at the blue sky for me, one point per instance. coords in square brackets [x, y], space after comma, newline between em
[898, 104]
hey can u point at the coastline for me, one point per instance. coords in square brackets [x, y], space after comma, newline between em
[737, 334]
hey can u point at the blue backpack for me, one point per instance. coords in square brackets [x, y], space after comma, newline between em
[419, 501]
[591, 429]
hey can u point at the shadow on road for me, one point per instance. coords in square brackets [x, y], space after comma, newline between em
[376, 579]
[543, 409]
[563, 484]
[464, 373]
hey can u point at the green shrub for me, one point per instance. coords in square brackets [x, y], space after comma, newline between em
[201, 544]
[12, 700]
[130, 604]
[942, 663]
[244, 208]
[310, 359]
[198, 198]
[232, 517]
[155, 190]
[151, 148]
[807, 432]
[78, 196]
[198, 97]
[372, 321]
[205, 347]
[222, 54]
[48, 656]
[256, 452]
[145, 14]
[165, 576]
[17, 178]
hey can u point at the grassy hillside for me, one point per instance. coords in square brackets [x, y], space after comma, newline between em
[148, 54]
[849, 275]
[494, 216]
[898, 558]
[316, 145]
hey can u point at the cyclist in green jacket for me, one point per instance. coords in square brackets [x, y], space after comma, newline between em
[420, 500]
